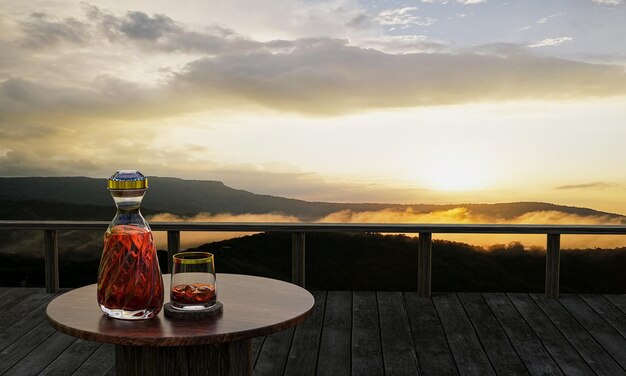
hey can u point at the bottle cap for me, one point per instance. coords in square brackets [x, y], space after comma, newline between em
[128, 179]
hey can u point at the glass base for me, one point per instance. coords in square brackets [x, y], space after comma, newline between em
[192, 307]
[123, 314]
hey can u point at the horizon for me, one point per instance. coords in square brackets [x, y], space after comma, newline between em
[336, 202]
[432, 101]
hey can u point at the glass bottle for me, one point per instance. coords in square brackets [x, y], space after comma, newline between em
[130, 285]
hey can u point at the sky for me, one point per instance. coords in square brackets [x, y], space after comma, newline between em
[431, 101]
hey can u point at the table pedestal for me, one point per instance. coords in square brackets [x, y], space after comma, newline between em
[224, 359]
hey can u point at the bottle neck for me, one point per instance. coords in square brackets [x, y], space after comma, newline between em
[128, 203]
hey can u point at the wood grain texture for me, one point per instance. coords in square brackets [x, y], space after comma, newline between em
[335, 351]
[526, 343]
[553, 266]
[221, 359]
[566, 356]
[51, 261]
[302, 359]
[464, 344]
[42, 355]
[424, 264]
[22, 303]
[253, 306]
[298, 258]
[99, 362]
[274, 353]
[22, 327]
[598, 359]
[23, 346]
[600, 330]
[72, 358]
[433, 354]
[257, 344]
[501, 353]
[366, 347]
[613, 315]
[619, 300]
[399, 356]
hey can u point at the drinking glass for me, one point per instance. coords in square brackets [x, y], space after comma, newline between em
[193, 281]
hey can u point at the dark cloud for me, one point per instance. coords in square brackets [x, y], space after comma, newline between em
[139, 25]
[594, 185]
[330, 76]
[41, 30]
[159, 32]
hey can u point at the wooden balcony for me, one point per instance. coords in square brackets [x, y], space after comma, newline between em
[373, 333]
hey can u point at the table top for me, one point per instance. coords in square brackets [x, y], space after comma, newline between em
[253, 306]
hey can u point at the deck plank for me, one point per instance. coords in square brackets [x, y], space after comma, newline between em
[609, 312]
[15, 312]
[16, 295]
[619, 300]
[501, 353]
[433, 353]
[522, 337]
[274, 352]
[42, 355]
[302, 358]
[22, 326]
[366, 347]
[24, 345]
[597, 358]
[464, 344]
[335, 348]
[369, 333]
[99, 363]
[72, 358]
[568, 359]
[399, 357]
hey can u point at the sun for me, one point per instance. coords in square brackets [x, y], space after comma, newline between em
[454, 174]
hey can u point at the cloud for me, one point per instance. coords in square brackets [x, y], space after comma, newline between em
[547, 18]
[469, 2]
[317, 76]
[551, 42]
[191, 239]
[594, 185]
[404, 44]
[41, 30]
[462, 215]
[609, 2]
[397, 16]
[456, 215]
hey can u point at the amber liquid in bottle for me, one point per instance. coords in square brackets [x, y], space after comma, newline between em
[130, 285]
[129, 278]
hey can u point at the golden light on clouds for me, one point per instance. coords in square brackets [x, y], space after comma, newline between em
[341, 102]
[456, 215]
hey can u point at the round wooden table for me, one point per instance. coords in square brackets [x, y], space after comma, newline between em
[222, 345]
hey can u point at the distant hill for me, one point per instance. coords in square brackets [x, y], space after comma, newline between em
[88, 198]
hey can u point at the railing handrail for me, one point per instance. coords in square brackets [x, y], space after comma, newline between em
[443, 228]
[298, 230]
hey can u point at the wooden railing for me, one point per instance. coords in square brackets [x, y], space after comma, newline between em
[299, 230]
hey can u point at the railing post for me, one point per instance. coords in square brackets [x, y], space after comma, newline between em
[424, 256]
[173, 247]
[553, 265]
[51, 261]
[297, 258]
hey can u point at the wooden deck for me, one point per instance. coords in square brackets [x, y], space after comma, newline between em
[374, 333]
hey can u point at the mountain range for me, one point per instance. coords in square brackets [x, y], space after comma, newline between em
[82, 198]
